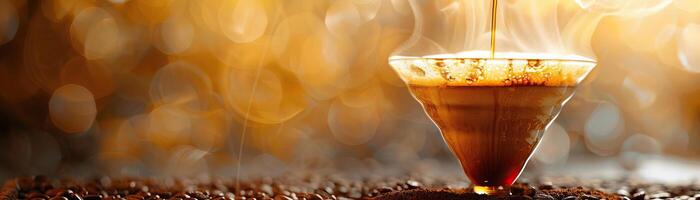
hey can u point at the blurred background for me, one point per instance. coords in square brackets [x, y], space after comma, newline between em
[225, 88]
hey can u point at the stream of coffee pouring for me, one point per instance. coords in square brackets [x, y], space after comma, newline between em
[494, 8]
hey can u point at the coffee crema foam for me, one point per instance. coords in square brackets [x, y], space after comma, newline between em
[477, 71]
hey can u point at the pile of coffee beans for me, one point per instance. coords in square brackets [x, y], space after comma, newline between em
[316, 187]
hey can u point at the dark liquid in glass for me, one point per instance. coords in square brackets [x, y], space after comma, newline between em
[493, 130]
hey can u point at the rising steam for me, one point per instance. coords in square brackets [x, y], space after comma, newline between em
[550, 29]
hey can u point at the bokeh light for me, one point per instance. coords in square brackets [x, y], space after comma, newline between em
[343, 122]
[181, 83]
[72, 108]
[554, 146]
[174, 35]
[243, 20]
[9, 21]
[604, 128]
[689, 54]
[637, 148]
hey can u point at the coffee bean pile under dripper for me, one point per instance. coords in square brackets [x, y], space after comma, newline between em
[316, 187]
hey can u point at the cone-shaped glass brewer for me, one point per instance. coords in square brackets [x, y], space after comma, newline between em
[492, 107]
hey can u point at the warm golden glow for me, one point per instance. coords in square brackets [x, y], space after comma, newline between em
[135, 84]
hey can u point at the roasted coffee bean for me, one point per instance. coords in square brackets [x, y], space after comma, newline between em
[41, 179]
[623, 192]
[153, 197]
[517, 191]
[660, 195]
[198, 195]
[316, 197]
[134, 197]
[73, 196]
[328, 190]
[217, 193]
[54, 192]
[520, 198]
[530, 191]
[92, 197]
[343, 189]
[260, 195]
[143, 194]
[588, 197]
[34, 195]
[181, 195]
[65, 193]
[385, 189]
[23, 184]
[316, 186]
[413, 184]
[546, 186]
[543, 197]
[639, 195]
[282, 197]
[570, 198]
[266, 189]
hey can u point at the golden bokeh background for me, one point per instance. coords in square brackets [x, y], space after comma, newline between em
[202, 88]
